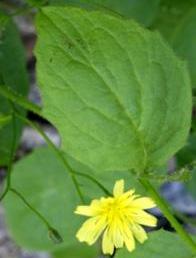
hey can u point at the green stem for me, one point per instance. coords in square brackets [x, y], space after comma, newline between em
[8, 93]
[12, 152]
[53, 233]
[77, 186]
[94, 181]
[161, 203]
[56, 150]
[38, 214]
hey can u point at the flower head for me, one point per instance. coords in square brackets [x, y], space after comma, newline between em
[118, 218]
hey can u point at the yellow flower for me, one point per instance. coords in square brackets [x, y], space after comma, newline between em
[118, 218]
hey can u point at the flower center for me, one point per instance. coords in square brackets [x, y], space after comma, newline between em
[113, 209]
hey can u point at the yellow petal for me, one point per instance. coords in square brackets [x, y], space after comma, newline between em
[139, 233]
[118, 239]
[118, 188]
[84, 210]
[87, 226]
[91, 230]
[129, 242]
[116, 234]
[145, 219]
[129, 194]
[128, 236]
[144, 203]
[89, 210]
[107, 244]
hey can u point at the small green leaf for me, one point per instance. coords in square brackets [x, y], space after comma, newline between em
[160, 244]
[143, 11]
[110, 87]
[12, 74]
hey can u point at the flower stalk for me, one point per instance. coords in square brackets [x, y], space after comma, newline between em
[161, 203]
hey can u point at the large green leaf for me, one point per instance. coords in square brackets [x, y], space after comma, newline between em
[112, 89]
[160, 244]
[12, 74]
[177, 22]
[76, 251]
[143, 11]
[43, 181]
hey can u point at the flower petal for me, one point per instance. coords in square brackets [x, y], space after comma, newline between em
[139, 233]
[144, 203]
[115, 230]
[89, 210]
[91, 230]
[118, 188]
[107, 244]
[84, 210]
[146, 219]
[129, 241]
[82, 233]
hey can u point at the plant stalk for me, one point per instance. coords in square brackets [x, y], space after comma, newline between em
[12, 153]
[53, 233]
[161, 203]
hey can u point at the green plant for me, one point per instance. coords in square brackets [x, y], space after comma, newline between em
[121, 101]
